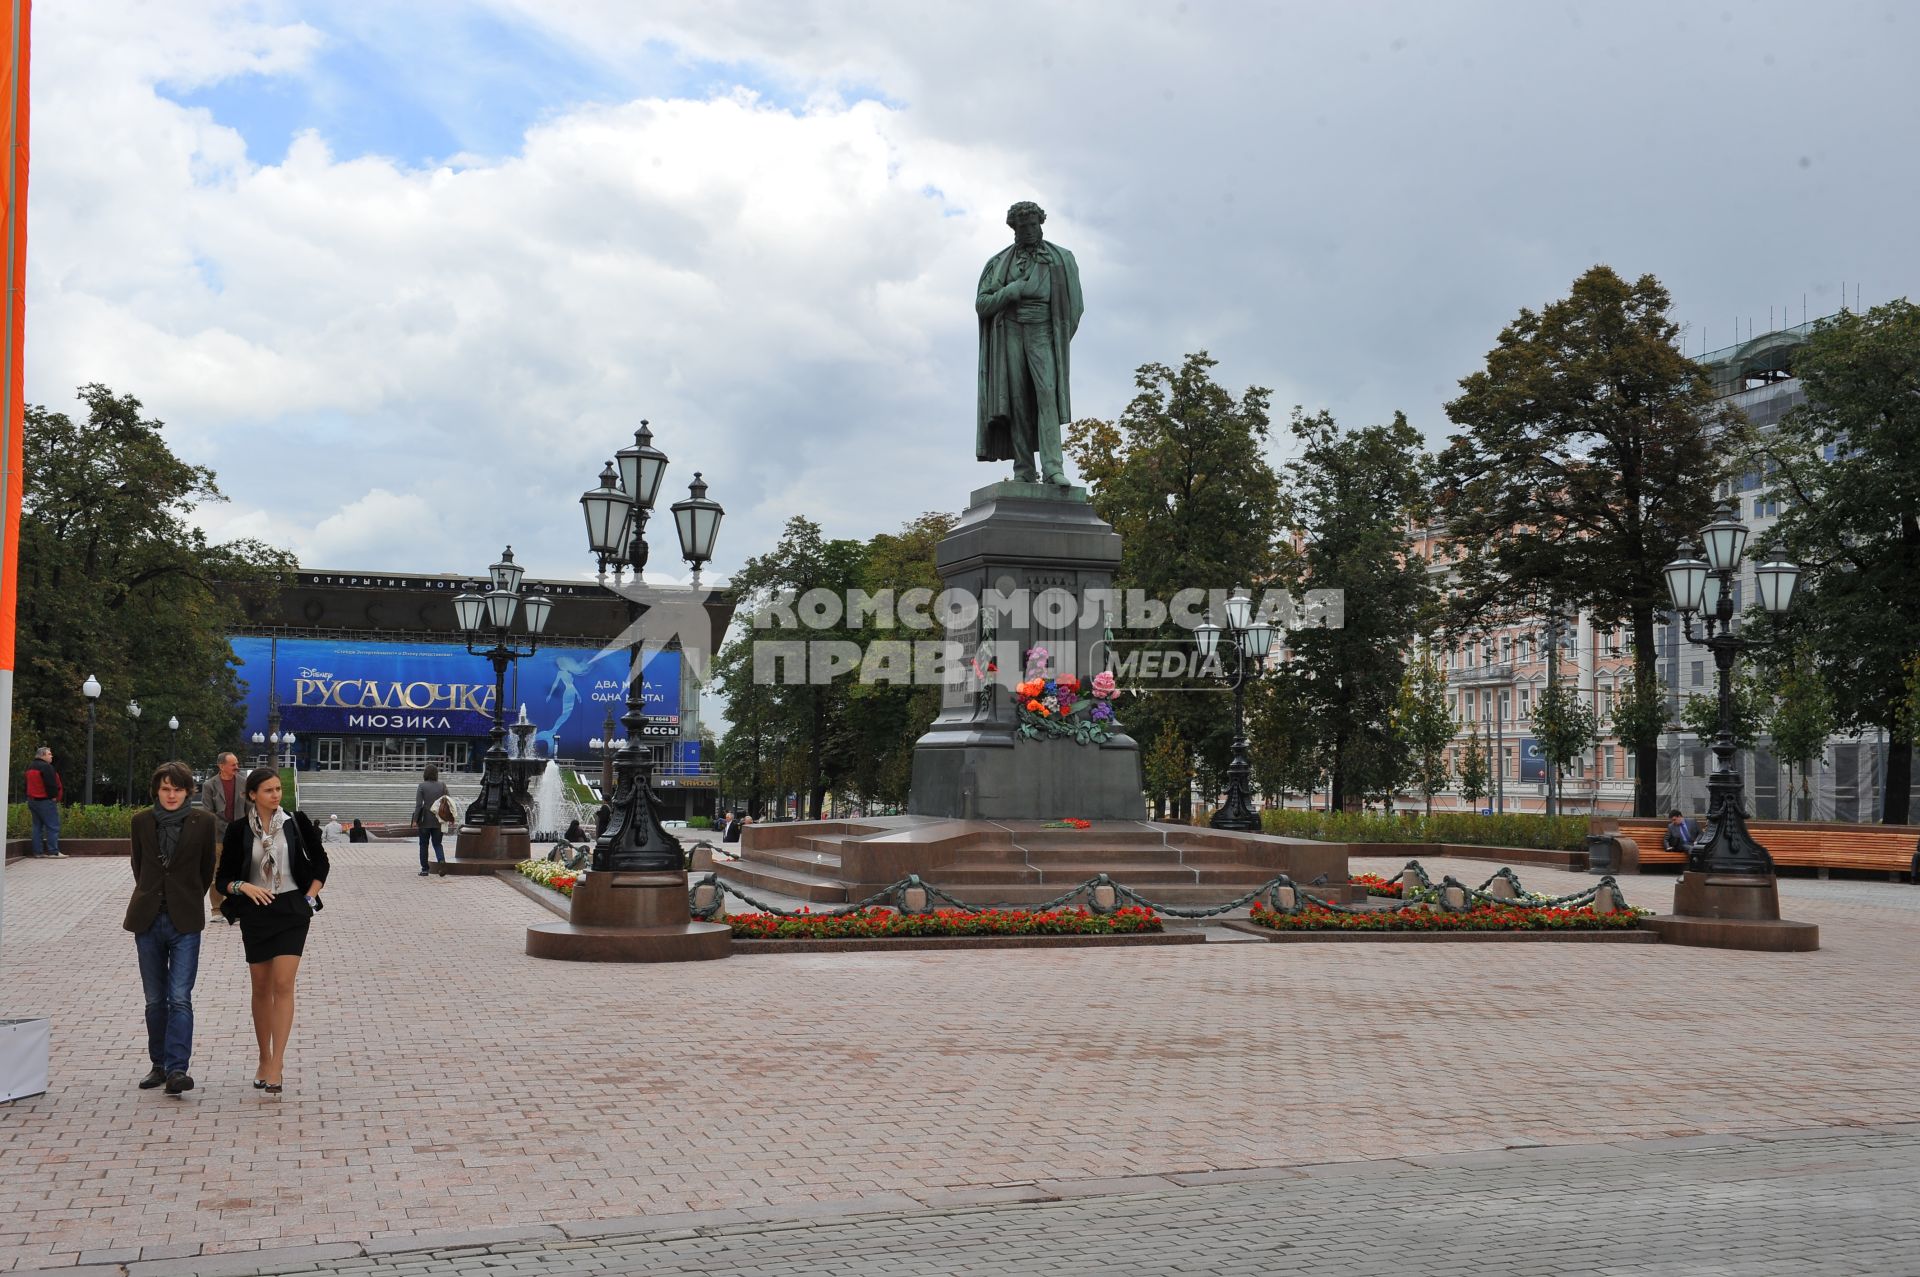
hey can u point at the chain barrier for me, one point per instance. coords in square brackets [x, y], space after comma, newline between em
[706, 898]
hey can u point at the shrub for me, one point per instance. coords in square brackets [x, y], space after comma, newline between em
[1519, 829]
[77, 821]
[699, 822]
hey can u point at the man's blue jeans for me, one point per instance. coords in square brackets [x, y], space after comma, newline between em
[46, 816]
[169, 962]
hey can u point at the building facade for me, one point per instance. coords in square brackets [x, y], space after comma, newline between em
[370, 672]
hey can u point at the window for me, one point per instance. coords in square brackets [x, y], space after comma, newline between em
[1467, 699]
[1698, 676]
[1608, 763]
[1630, 761]
[1523, 701]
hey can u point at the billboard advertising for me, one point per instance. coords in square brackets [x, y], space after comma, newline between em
[347, 687]
[1533, 760]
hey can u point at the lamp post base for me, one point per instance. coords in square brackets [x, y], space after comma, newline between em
[1732, 911]
[630, 917]
[504, 843]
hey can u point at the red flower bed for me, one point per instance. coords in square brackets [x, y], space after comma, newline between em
[882, 923]
[1378, 886]
[1482, 918]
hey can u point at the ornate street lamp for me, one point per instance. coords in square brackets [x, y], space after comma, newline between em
[260, 744]
[487, 619]
[1250, 641]
[173, 740]
[133, 731]
[1706, 587]
[616, 514]
[91, 690]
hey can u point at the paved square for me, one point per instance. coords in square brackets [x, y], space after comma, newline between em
[439, 1080]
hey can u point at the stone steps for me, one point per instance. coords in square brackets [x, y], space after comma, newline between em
[755, 875]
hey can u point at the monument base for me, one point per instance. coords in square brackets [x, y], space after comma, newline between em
[1732, 911]
[493, 845]
[984, 778]
[630, 917]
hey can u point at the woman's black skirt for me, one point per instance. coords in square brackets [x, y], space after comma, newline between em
[277, 930]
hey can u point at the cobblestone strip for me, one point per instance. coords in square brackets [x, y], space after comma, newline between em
[1842, 1200]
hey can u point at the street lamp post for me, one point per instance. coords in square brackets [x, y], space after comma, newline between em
[487, 618]
[91, 690]
[1706, 587]
[1250, 640]
[616, 513]
[606, 755]
[260, 744]
[173, 741]
[133, 731]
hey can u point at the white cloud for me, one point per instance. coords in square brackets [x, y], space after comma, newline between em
[394, 367]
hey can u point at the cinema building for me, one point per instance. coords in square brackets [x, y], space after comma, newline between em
[369, 673]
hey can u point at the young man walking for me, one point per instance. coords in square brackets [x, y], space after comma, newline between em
[174, 859]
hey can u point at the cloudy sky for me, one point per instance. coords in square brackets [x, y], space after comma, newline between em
[406, 274]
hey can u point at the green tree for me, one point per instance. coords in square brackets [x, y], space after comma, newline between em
[1846, 465]
[1281, 745]
[1801, 721]
[1564, 724]
[1167, 769]
[1586, 460]
[1351, 496]
[1423, 723]
[115, 582]
[884, 720]
[1475, 774]
[804, 723]
[1639, 714]
[1183, 477]
[1750, 703]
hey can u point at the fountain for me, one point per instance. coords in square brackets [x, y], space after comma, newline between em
[552, 808]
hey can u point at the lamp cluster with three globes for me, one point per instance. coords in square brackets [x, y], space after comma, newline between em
[616, 513]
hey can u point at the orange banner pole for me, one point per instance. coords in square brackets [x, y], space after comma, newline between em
[14, 45]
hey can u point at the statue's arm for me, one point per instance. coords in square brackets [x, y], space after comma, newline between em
[991, 300]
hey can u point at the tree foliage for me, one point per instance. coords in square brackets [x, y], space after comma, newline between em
[1586, 460]
[1564, 724]
[1183, 477]
[1423, 724]
[1801, 720]
[1639, 712]
[1351, 497]
[1846, 466]
[1749, 702]
[1167, 768]
[1475, 773]
[116, 582]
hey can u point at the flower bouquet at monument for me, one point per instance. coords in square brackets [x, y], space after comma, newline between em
[1063, 705]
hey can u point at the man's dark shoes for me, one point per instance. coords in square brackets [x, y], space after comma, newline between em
[178, 1081]
[153, 1079]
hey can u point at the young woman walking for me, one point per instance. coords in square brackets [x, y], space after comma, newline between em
[272, 870]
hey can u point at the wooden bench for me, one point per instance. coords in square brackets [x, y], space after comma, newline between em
[1801, 845]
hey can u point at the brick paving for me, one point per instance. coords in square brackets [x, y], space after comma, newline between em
[442, 1081]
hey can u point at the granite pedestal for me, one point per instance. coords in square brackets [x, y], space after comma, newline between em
[1034, 539]
[1732, 911]
[630, 917]
[492, 845]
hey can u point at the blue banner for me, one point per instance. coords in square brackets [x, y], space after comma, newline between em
[1533, 760]
[342, 687]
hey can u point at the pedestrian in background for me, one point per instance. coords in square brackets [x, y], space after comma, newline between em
[44, 795]
[272, 869]
[358, 833]
[173, 858]
[426, 817]
[601, 819]
[221, 794]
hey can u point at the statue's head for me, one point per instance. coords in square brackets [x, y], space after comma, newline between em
[1025, 218]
